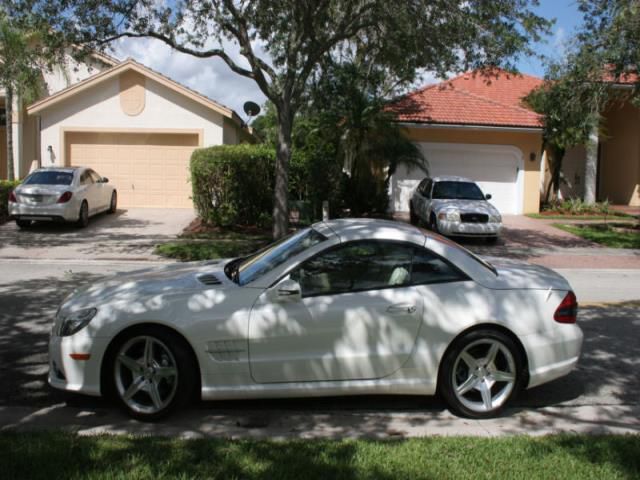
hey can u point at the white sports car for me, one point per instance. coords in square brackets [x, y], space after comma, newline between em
[343, 307]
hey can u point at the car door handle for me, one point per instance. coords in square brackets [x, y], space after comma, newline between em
[401, 308]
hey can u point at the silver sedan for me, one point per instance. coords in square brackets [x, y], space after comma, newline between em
[69, 194]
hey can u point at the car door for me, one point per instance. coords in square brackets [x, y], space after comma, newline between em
[87, 189]
[354, 317]
[103, 191]
[426, 200]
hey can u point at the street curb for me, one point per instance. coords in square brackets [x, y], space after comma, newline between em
[270, 424]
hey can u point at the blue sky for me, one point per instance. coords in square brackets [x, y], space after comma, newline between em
[568, 18]
[214, 79]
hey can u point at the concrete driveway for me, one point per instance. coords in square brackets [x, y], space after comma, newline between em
[129, 234]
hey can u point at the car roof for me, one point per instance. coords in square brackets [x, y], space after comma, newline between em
[59, 169]
[451, 178]
[369, 228]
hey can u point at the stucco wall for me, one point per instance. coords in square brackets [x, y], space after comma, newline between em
[620, 155]
[99, 108]
[526, 142]
[70, 73]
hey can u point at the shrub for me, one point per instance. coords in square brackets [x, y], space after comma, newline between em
[5, 187]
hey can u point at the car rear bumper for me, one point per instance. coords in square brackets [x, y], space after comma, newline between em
[469, 229]
[55, 212]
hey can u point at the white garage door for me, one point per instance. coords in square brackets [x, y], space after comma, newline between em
[147, 169]
[496, 168]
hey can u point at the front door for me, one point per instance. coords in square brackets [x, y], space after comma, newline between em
[356, 317]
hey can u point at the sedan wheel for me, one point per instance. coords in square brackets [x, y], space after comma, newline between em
[152, 374]
[113, 206]
[481, 373]
[83, 215]
[23, 223]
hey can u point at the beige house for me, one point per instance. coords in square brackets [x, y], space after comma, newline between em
[478, 127]
[132, 125]
[475, 127]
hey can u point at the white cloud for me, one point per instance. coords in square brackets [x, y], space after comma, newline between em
[209, 76]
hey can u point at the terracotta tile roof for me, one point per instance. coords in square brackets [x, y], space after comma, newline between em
[472, 99]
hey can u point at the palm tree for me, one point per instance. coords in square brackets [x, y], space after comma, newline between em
[20, 74]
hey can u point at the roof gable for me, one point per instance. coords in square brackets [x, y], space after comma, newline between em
[472, 99]
[118, 69]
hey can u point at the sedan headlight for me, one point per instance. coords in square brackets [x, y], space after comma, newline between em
[495, 218]
[76, 321]
[449, 216]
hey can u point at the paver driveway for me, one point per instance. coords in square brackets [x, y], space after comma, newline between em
[129, 234]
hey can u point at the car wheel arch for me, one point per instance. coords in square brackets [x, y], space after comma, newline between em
[131, 330]
[487, 326]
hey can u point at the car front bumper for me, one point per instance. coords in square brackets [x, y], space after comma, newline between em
[68, 212]
[67, 373]
[462, 229]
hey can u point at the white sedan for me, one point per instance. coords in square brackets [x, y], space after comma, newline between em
[61, 194]
[343, 307]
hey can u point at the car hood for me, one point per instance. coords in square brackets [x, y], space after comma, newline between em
[513, 274]
[148, 282]
[465, 206]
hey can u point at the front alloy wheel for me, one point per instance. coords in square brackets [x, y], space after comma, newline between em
[152, 374]
[481, 373]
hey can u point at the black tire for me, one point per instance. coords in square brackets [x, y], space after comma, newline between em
[433, 223]
[113, 206]
[413, 218]
[179, 390]
[23, 223]
[83, 215]
[456, 373]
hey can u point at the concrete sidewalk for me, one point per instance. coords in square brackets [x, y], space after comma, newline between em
[200, 423]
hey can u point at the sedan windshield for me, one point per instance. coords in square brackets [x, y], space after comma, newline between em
[49, 178]
[248, 269]
[457, 191]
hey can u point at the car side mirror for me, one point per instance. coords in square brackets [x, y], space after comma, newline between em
[104, 180]
[488, 196]
[287, 290]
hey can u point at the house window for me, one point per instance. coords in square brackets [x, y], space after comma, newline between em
[3, 117]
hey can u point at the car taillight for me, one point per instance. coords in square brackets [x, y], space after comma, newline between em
[12, 198]
[65, 197]
[567, 311]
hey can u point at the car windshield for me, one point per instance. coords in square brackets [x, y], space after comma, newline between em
[49, 178]
[457, 191]
[243, 271]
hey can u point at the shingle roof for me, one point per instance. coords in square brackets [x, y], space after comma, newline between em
[472, 99]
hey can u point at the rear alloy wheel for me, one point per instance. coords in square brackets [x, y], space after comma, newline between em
[23, 223]
[83, 215]
[480, 373]
[152, 373]
[113, 206]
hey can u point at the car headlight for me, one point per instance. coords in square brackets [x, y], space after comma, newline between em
[76, 321]
[495, 218]
[449, 216]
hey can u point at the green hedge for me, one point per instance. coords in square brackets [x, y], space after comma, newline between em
[233, 184]
[5, 187]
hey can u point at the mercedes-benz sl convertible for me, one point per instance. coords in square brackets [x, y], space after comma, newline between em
[341, 308]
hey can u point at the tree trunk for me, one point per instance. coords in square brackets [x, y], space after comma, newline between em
[591, 168]
[556, 168]
[8, 100]
[283, 155]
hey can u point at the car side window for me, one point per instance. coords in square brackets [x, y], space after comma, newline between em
[427, 189]
[85, 178]
[94, 176]
[356, 266]
[429, 268]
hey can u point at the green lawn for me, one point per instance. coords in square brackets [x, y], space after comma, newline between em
[607, 235]
[189, 250]
[50, 455]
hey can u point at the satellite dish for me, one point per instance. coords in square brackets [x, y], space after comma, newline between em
[251, 109]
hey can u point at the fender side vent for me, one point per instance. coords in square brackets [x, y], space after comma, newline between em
[209, 279]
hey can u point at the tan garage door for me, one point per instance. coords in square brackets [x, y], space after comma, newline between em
[147, 169]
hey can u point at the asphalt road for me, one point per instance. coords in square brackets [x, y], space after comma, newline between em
[30, 292]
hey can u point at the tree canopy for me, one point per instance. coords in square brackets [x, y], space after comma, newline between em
[283, 44]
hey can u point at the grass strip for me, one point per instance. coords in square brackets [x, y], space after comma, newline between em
[49, 455]
[208, 249]
[603, 234]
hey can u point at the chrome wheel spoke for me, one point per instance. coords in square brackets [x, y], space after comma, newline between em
[166, 372]
[491, 355]
[485, 392]
[133, 365]
[155, 395]
[134, 388]
[148, 352]
[467, 385]
[500, 376]
[471, 362]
